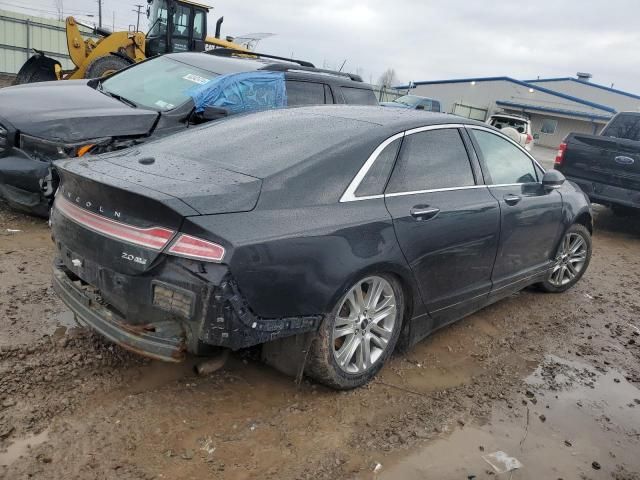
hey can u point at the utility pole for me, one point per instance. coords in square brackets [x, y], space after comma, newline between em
[100, 13]
[138, 11]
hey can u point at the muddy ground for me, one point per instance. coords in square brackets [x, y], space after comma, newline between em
[550, 380]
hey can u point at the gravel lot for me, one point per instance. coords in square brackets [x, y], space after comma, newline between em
[552, 380]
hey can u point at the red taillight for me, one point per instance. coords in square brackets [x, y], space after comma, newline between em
[529, 139]
[560, 155]
[196, 248]
[154, 238]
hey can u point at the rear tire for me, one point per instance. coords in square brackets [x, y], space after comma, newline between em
[359, 334]
[106, 65]
[571, 261]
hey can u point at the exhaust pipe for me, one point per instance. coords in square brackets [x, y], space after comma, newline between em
[211, 364]
[218, 26]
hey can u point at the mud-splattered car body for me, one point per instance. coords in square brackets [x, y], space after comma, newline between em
[44, 122]
[260, 233]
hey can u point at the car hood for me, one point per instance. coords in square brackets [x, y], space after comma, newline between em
[71, 111]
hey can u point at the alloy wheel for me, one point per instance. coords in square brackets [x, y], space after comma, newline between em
[364, 324]
[570, 260]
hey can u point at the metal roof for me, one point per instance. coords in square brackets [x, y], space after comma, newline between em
[518, 82]
[583, 82]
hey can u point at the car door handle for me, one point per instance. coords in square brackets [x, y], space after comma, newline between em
[511, 199]
[424, 212]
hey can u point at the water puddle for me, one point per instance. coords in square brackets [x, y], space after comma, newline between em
[21, 447]
[571, 422]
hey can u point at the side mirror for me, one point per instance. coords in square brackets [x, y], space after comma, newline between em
[419, 107]
[552, 180]
[212, 113]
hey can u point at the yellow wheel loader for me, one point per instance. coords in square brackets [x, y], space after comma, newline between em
[175, 26]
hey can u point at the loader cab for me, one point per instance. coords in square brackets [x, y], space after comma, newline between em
[176, 26]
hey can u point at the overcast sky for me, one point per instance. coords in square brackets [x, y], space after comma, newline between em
[428, 39]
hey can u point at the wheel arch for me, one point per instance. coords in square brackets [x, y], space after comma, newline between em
[585, 219]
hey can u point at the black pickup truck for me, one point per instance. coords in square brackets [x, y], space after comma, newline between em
[606, 166]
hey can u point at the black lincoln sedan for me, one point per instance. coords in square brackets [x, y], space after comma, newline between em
[357, 228]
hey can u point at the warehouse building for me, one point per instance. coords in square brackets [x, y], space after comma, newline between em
[556, 106]
[21, 34]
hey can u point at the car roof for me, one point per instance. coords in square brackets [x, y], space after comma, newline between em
[390, 118]
[223, 65]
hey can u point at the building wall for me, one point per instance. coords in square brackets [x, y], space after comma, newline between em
[593, 93]
[19, 34]
[564, 127]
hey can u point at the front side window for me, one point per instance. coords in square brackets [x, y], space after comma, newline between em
[504, 163]
[431, 160]
[304, 93]
[359, 96]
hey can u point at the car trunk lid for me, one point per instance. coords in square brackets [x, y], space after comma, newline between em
[123, 218]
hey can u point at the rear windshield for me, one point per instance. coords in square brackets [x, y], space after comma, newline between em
[160, 83]
[624, 126]
[503, 122]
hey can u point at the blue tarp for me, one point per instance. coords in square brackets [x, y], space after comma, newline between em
[242, 92]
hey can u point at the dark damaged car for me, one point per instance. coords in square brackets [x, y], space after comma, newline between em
[352, 228]
[44, 122]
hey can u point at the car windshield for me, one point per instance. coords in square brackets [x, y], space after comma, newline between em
[408, 100]
[161, 83]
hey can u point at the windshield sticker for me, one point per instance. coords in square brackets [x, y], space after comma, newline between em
[195, 78]
[164, 105]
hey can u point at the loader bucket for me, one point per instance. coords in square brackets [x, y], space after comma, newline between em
[39, 68]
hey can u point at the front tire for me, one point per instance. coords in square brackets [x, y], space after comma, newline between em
[571, 261]
[360, 333]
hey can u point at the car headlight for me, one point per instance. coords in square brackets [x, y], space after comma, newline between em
[51, 150]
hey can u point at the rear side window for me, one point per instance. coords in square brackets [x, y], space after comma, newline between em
[504, 162]
[431, 160]
[358, 96]
[624, 126]
[305, 93]
[376, 178]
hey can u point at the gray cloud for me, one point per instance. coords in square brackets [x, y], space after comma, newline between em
[433, 39]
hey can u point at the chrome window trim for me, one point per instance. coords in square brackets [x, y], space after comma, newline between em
[349, 194]
[502, 135]
[433, 190]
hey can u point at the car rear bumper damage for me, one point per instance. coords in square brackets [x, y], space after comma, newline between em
[91, 313]
[173, 320]
[608, 194]
[21, 183]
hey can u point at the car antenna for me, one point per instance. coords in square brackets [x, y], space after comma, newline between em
[342, 66]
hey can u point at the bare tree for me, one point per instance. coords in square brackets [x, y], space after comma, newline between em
[388, 78]
[58, 4]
